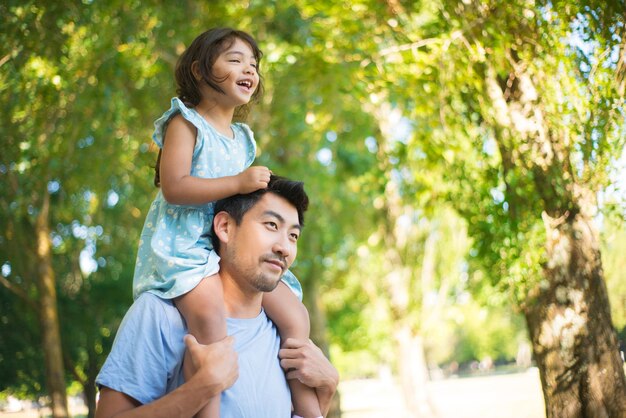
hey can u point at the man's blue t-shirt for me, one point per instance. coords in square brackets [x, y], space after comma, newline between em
[145, 362]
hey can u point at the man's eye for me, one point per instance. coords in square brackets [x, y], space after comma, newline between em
[295, 237]
[237, 61]
[272, 225]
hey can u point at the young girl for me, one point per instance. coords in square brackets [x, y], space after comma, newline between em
[205, 157]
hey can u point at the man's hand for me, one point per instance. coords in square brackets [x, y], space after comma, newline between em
[217, 370]
[304, 361]
[216, 363]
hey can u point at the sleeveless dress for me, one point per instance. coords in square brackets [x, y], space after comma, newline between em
[175, 251]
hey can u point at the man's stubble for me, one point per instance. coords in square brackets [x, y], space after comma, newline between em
[252, 274]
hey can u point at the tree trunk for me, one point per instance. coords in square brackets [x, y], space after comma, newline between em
[574, 342]
[318, 330]
[48, 316]
[413, 368]
[411, 360]
[413, 373]
[89, 391]
[89, 388]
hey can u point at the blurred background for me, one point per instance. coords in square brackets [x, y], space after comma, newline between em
[464, 251]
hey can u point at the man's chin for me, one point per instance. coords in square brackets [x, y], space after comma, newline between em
[267, 285]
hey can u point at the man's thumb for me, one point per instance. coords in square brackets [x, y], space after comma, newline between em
[190, 341]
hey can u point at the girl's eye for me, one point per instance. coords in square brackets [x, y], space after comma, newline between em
[237, 61]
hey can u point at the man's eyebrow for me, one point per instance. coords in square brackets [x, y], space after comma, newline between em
[281, 218]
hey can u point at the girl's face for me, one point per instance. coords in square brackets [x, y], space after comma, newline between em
[236, 68]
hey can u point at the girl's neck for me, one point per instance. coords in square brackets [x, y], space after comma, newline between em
[220, 117]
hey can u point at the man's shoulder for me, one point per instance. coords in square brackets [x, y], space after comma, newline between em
[150, 299]
[149, 308]
[152, 302]
[146, 357]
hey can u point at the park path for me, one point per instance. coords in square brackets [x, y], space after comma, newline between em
[496, 396]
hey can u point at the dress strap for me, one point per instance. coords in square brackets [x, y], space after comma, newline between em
[249, 142]
[177, 107]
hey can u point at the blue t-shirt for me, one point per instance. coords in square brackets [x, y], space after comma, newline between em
[145, 362]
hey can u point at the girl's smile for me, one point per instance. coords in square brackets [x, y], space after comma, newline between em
[238, 67]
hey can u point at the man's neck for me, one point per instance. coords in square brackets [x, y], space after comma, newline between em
[239, 303]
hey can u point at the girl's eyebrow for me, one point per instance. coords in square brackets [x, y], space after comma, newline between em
[239, 53]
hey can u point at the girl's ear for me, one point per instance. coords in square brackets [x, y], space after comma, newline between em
[195, 70]
[222, 225]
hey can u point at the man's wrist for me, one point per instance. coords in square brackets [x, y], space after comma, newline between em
[207, 386]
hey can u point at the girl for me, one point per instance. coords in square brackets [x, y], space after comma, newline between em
[205, 157]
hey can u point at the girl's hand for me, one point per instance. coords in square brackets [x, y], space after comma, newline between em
[252, 179]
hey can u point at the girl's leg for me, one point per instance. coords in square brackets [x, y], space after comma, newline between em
[205, 314]
[292, 320]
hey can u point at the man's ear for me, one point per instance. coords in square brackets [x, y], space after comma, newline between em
[223, 226]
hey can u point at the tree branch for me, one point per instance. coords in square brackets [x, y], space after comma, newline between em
[407, 47]
[76, 372]
[18, 291]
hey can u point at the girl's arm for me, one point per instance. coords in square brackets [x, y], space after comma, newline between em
[181, 188]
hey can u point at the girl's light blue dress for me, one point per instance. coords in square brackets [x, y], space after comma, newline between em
[175, 251]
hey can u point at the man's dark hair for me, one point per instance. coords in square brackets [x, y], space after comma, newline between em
[237, 206]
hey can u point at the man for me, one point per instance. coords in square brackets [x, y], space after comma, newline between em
[256, 237]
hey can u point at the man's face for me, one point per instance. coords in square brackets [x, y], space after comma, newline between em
[264, 245]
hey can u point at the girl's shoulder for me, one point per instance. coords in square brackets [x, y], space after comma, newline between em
[177, 107]
[246, 138]
[244, 129]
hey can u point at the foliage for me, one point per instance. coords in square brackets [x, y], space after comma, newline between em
[70, 132]
[361, 97]
[613, 249]
[20, 355]
[483, 332]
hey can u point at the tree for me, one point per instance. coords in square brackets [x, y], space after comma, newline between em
[510, 113]
[77, 123]
[524, 105]
[66, 87]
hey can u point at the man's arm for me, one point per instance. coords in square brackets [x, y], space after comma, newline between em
[217, 370]
[304, 361]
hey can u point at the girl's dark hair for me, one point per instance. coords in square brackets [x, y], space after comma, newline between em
[204, 50]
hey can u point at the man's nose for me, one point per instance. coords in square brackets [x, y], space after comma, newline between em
[282, 246]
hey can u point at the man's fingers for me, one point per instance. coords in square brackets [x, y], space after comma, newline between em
[293, 374]
[289, 364]
[293, 353]
[229, 340]
[190, 341]
[293, 343]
